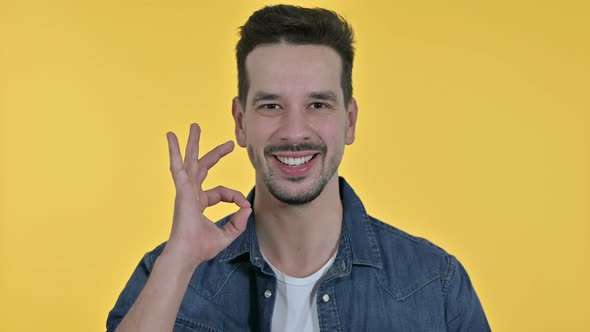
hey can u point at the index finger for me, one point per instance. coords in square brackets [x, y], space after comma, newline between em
[224, 194]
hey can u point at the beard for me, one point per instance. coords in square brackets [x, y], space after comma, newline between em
[300, 197]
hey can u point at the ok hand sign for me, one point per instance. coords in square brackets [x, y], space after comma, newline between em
[195, 238]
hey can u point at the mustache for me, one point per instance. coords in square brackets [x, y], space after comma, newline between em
[270, 149]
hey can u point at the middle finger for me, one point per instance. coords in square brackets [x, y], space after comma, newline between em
[211, 158]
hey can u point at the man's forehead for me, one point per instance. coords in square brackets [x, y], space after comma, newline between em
[281, 67]
[285, 52]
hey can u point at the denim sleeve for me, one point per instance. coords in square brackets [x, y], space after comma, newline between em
[462, 307]
[130, 293]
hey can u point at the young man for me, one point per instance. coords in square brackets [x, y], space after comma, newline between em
[301, 253]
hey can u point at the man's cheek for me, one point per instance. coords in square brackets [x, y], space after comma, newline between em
[251, 153]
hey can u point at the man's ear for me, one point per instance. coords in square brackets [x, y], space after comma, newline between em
[238, 113]
[351, 116]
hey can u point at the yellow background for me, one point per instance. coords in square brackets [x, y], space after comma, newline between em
[473, 132]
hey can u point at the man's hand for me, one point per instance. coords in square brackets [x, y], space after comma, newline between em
[194, 238]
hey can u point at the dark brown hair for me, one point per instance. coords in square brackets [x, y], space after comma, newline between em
[299, 26]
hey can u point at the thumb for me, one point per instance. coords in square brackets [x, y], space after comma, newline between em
[237, 224]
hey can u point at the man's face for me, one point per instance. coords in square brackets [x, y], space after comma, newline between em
[295, 123]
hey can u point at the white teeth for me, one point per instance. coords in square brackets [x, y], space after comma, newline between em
[294, 161]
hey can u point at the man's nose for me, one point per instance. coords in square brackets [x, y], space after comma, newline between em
[295, 126]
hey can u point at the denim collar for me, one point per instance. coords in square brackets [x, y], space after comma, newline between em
[358, 244]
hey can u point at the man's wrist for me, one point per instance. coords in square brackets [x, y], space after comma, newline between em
[178, 263]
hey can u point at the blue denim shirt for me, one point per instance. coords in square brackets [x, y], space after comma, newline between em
[382, 280]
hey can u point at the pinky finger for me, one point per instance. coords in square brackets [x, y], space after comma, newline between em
[174, 151]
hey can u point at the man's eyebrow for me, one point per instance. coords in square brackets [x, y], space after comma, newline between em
[261, 96]
[324, 95]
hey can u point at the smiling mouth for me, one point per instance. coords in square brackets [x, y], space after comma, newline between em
[294, 162]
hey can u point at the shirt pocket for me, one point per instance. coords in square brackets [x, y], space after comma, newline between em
[186, 325]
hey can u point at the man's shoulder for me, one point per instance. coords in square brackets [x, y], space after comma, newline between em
[409, 262]
[392, 237]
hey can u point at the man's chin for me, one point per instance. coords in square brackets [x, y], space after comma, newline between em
[295, 179]
[298, 193]
[295, 199]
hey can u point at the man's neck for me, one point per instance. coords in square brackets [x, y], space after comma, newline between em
[299, 240]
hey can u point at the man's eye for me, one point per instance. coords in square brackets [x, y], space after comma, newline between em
[318, 105]
[270, 106]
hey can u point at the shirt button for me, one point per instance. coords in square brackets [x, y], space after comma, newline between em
[343, 266]
[326, 297]
[267, 294]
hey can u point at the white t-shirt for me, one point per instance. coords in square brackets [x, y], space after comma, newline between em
[295, 303]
